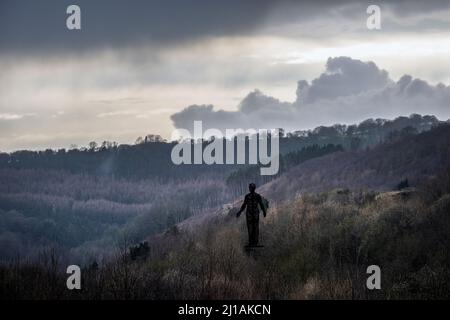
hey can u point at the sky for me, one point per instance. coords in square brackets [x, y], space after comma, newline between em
[141, 67]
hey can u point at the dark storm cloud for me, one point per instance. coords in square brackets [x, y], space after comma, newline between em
[348, 91]
[40, 25]
[410, 7]
[30, 26]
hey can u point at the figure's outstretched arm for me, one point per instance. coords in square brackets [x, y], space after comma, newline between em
[242, 208]
[263, 207]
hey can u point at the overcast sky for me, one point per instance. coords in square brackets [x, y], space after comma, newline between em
[140, 67]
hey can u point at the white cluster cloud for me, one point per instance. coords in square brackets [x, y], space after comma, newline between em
[15, 116]
[348, 91]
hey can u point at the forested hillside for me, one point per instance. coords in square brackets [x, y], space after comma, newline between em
[412, 157]
[149, 157]
[85, 202]
[317, 244]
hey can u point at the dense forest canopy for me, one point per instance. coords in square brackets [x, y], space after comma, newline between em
[149, 157]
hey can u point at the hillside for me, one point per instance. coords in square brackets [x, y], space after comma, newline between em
[414, 157]
[149, 157]
[85, 201]
[319, 241]
[328, 220]
[317, 246]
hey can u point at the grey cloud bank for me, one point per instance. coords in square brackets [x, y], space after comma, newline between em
[39, 26]
[348, 91]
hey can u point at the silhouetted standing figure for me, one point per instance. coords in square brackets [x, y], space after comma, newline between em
[251, 202]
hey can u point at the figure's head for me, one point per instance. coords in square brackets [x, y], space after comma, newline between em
[252, 187]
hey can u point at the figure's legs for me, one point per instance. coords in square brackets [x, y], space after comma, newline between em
[256, 231]
[253, 229]
[250, 230]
